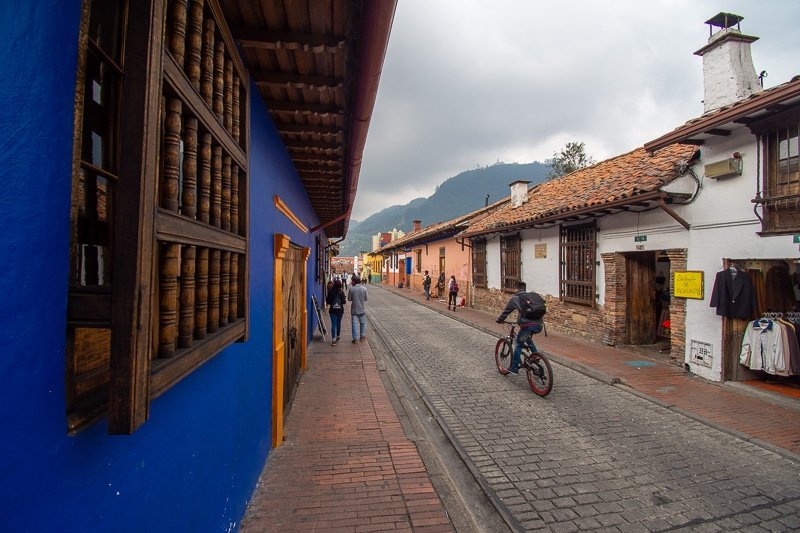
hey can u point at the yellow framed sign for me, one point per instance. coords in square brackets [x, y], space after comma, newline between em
[688, 284]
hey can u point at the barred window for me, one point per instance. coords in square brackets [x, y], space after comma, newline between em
[158, 240]
[577, 272]
[781, 196]
[510, 262]
[479, 263]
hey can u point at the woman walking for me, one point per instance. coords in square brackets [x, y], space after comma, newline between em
[452, 289]
[336, 300]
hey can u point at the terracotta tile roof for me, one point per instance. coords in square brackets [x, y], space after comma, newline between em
[756, 105]
[625, 177]
[441, 229]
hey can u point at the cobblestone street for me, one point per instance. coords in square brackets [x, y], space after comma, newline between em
[589, 456]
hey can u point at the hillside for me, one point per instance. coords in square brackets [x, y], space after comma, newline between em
[458, 195]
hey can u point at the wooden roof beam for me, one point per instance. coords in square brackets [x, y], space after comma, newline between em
[302, 108]
[296, 81]
[276, 40]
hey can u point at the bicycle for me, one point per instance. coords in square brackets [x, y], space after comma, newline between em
[536, 365]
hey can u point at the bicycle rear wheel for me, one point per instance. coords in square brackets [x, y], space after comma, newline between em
[540, 373]
[502, 355]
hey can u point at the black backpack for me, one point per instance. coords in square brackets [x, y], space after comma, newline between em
[533, 306]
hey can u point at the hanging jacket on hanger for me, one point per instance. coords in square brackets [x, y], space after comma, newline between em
[733, 294]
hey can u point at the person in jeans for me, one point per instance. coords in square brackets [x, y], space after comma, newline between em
[452, 291]
[426, 285]
[336, 301]
[527, 327]
[358, 308]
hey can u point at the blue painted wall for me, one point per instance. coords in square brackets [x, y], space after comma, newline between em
[193, 465]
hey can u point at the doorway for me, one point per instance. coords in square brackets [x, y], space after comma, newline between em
[640, 319]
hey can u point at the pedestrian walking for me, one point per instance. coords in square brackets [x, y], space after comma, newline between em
[426, 285]
[336, 301]
[358, 309]
[452, 291]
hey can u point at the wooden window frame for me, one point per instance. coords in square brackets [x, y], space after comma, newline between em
[479, 276]
[577, 260]
[418, 254]
[510, 262]
[184, 108]
[780, 196]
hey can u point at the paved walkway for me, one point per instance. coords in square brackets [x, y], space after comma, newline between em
[346, 464]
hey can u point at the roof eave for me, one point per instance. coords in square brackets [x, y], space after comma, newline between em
[376, 26]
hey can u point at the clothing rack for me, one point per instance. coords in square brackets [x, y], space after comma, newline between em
[791, 315]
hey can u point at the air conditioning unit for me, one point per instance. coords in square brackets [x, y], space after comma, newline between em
[722, 169]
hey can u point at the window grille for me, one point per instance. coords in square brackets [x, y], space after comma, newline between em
[186, 227]
[577, 272]
[479, 263]
[780, 199]
[510, 262]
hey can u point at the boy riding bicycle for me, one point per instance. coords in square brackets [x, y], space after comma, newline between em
[530, 309]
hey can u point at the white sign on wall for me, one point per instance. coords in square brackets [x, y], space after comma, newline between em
[701, 353]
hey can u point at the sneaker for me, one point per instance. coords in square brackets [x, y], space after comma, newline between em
[514, 371]
[333, 343]
[355, 341]
[337, 338]
[363, 337]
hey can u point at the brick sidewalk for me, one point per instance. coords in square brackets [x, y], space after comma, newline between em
[771, 422]
[345, 464]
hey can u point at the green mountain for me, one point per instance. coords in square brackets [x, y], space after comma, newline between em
[461, 194]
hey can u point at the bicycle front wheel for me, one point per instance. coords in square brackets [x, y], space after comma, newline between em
[540, 374]
[502, 355]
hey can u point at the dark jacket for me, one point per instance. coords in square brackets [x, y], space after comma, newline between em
[515, 304]
[336, 296]
[733, 296]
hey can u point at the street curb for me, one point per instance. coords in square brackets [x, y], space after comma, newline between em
[498, 503]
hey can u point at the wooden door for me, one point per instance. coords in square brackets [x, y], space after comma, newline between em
[293, 302]
[640, 318]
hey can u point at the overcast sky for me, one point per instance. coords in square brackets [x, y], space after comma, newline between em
[467, 83]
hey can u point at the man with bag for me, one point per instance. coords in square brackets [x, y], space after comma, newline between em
[530, 308]
[426, 285]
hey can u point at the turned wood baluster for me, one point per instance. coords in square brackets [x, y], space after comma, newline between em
[226, 193]
[236, 110]
[235, 199]
[219, 78]
[168, 299]
[233, 314]
[201, 295]
[172, 155]
[204, 200]
[187, 294]
[216, 186]
[207, 62]
[195, 43]
[224, 285]
[189, 193]
[213, 292]
[177, 36]
[228, 96]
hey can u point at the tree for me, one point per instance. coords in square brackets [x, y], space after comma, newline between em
[571, 158]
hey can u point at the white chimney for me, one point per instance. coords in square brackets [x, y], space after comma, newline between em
[728, 71]
[519, 193]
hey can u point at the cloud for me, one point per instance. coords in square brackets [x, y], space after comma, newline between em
[468, 82]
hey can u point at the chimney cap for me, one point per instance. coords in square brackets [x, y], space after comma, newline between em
[725, 20]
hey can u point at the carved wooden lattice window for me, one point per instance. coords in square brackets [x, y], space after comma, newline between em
[510, 262]
[159, 244]
[780, 137]
[479, 263]
[577, 272]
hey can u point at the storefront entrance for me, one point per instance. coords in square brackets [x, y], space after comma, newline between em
[776, 288]
[647, 299]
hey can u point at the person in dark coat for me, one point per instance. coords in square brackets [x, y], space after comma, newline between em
[733, 294]
[336, 300]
